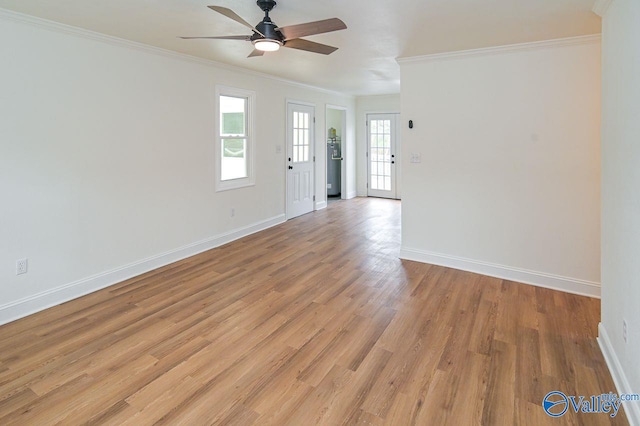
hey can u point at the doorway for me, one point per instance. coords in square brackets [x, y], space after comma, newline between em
[383, 155]
[336, 118]
[300, 159]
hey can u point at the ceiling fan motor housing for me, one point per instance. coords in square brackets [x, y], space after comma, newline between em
[268, 29]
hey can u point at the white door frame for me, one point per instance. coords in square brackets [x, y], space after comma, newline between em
[343, 151]
[312, 152]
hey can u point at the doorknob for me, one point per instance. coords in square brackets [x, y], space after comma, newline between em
[290, 167]
[289, 158]
[393, 162]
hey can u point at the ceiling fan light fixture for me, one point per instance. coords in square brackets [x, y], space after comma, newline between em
[267, 45]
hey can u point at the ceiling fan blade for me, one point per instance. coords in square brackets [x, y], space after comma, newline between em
[312, 28]
[255, 52]
[230, 14]
[310, 46]
[246, 38]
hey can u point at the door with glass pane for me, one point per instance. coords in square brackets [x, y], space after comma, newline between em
[382, 155]
[300, 170]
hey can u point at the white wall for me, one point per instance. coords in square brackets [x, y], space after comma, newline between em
[334, 119]
[620, 196]
[509, 179]
[368, 105]
[107, 160]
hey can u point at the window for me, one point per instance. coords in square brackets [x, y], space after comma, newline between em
[234, 138]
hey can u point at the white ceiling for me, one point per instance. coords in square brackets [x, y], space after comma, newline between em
[378, 31]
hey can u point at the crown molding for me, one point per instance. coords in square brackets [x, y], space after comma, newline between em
[381, 96]
[10, 15]
[600, 7]
[510, 48]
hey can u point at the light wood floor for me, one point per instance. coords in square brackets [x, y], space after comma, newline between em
[315, 321]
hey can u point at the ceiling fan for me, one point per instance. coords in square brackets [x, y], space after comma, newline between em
[268, 37]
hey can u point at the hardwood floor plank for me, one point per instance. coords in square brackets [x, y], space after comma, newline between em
[468, 405]
[498, 404]
[346, 410]
[326, 394]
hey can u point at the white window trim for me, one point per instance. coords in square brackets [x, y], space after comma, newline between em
[250, 180]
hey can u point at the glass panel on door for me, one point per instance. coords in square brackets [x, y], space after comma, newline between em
[300, 137]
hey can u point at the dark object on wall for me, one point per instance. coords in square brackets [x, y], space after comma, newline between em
[268, 37]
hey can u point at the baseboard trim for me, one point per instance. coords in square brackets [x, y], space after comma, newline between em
[321, 205]
[540, 279]
[41, 301]
[619, 377]
[351, 194]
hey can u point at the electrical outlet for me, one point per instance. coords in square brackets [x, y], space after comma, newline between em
[624, 330]
[21, 266]
[233, 212]
[416, 157]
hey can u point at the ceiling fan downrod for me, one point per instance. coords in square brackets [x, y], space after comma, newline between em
[266, 5]
[266, 28]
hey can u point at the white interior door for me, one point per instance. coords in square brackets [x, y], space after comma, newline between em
[300, 159]
[382, 156]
